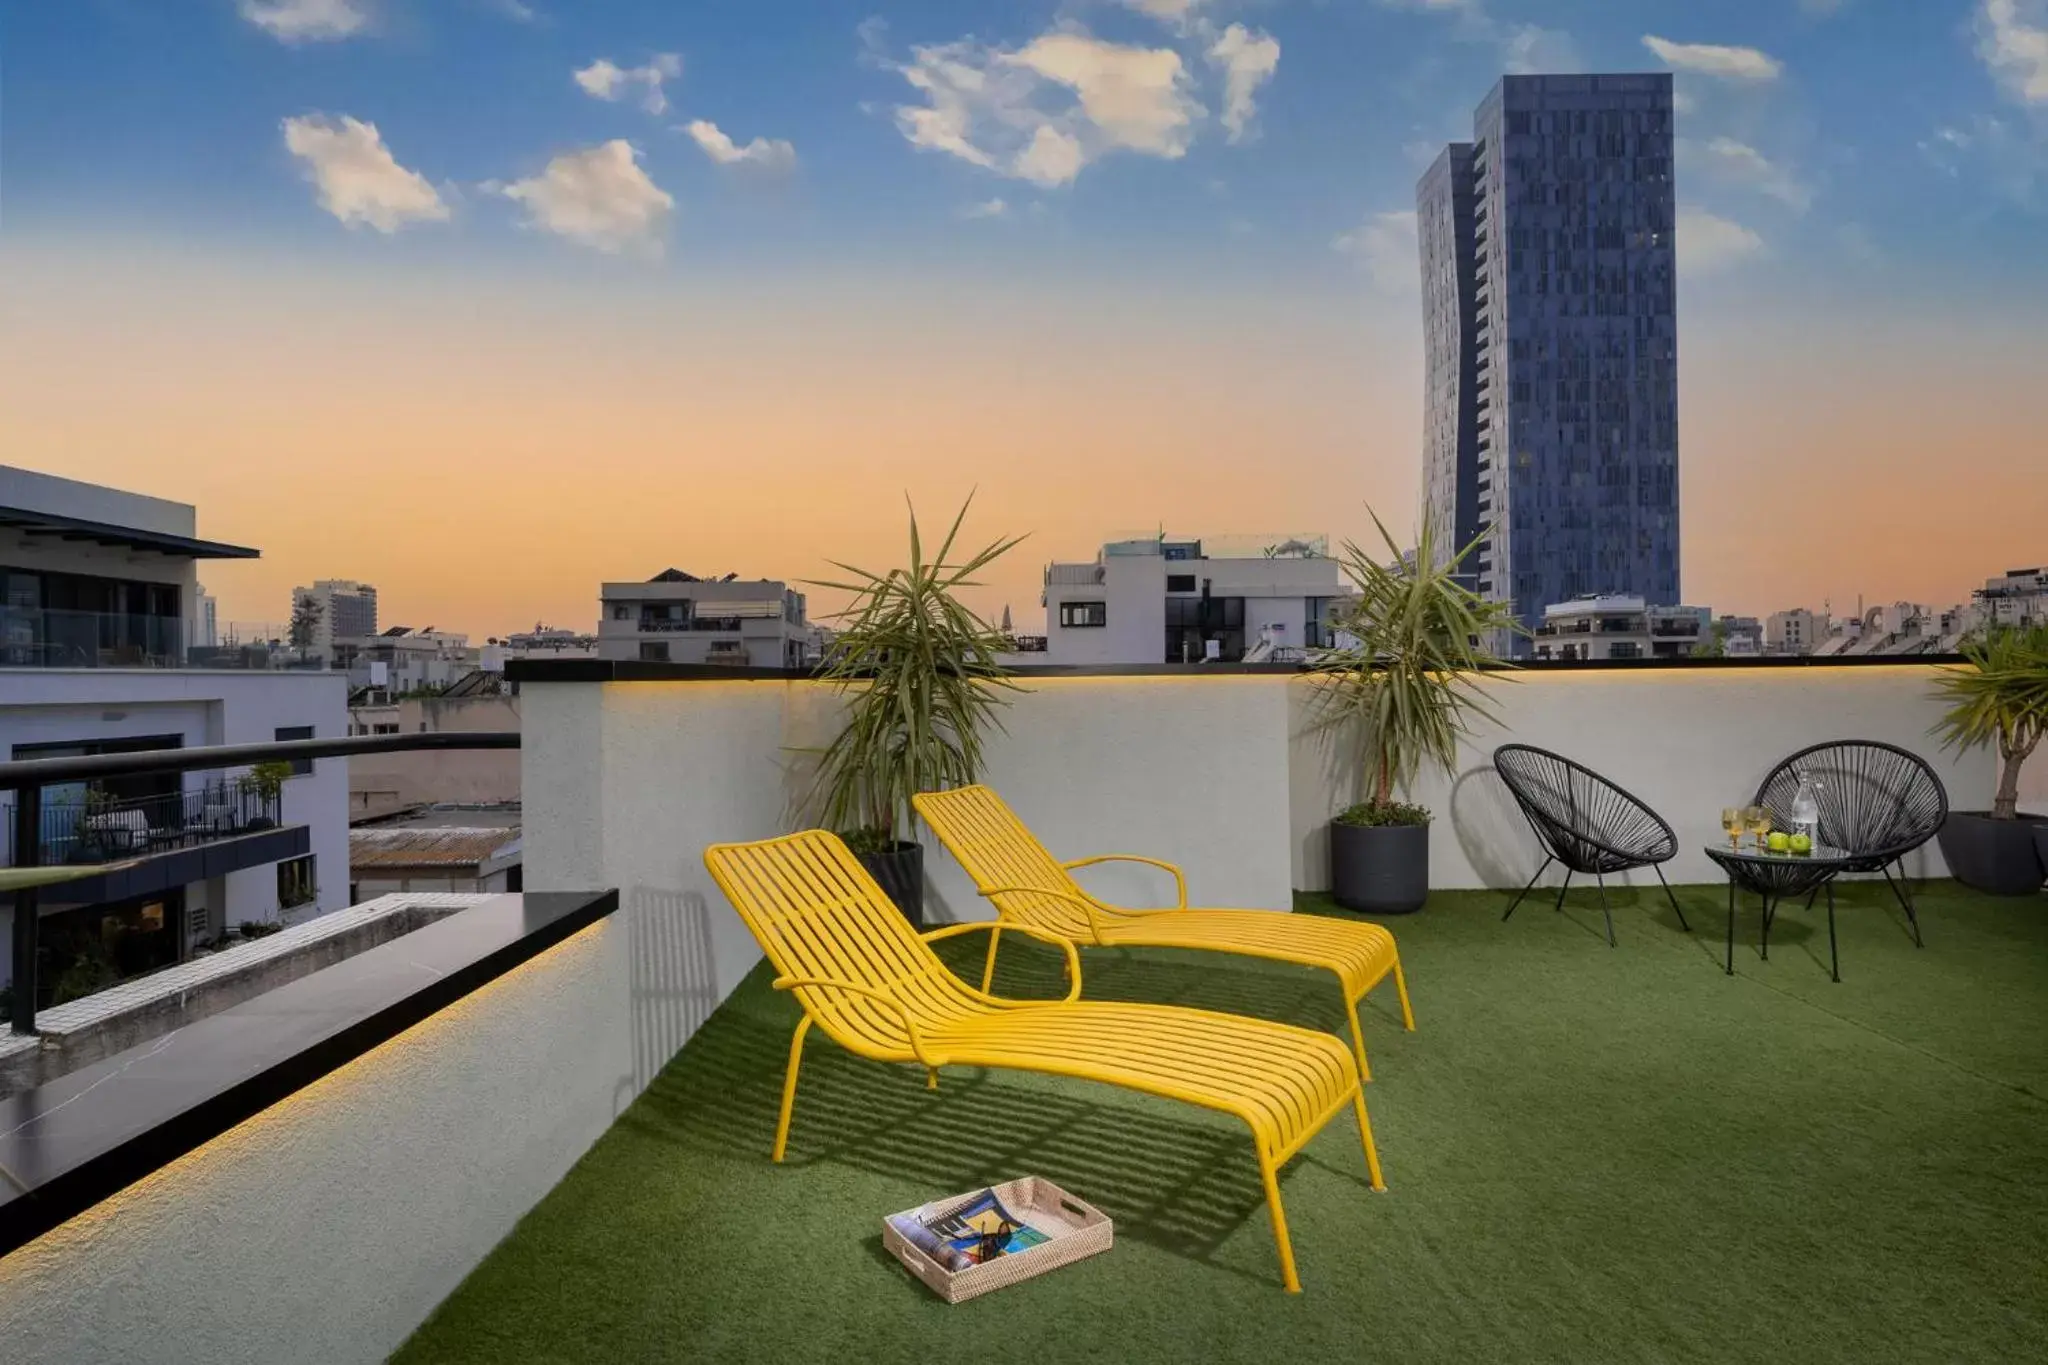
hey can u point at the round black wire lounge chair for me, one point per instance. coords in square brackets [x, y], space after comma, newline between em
[1585, 822]
[1877, 801]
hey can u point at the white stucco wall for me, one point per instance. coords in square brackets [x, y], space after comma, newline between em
[1686, 741]
[326, 1228]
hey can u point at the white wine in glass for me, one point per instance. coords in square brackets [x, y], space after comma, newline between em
[1731, 821]
[1758, 818]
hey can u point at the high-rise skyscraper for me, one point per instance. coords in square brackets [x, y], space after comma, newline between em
[1550, 333]
[341, 609]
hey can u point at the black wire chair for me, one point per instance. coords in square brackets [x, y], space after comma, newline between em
[1877, 801]
[1585, 822]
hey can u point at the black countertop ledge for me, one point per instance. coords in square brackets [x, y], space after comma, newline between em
[67, 1145]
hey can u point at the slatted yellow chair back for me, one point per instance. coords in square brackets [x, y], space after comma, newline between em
[997, 849]
[819, 916]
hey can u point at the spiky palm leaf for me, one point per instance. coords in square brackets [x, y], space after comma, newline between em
[23, 878]
[1411, 685]
[1999, 697]
[922, 682]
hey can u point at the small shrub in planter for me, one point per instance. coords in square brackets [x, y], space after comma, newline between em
[921, 681]
[1998, 698]
[1405, 692]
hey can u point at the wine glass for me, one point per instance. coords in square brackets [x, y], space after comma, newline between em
[1732, 822]
[1758, 819]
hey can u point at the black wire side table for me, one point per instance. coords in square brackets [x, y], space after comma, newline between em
[1776, 876]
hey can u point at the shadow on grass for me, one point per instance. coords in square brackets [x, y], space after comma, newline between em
[1182, 1184]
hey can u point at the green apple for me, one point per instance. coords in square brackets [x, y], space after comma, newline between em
[1780, 841]
[1802, 843]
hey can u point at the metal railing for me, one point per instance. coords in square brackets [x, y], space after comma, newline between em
[90, 829]
[39, 637]
[28, 779]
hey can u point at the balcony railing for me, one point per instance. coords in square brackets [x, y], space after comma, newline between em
[91, 830]
[34, 637]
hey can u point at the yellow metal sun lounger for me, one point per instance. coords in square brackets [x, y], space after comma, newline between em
[1033, 890]
[877, 989]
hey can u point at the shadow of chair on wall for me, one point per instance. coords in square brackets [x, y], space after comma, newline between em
[673, 981]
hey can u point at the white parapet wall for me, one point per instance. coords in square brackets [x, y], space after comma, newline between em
[626, 783]
[1687, 741]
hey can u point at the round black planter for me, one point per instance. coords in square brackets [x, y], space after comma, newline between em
[900, 870]
[1999, 857]
[1379, 869]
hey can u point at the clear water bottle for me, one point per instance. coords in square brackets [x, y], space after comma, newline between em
[1806, 809]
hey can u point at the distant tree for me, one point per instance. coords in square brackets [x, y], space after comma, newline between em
[1715, 646]
[305, 622]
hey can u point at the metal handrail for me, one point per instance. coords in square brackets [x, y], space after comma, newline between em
[27, 778]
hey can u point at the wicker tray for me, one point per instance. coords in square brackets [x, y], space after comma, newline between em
[1073, 1229]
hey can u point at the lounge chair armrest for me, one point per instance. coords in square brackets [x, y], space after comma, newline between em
[1180, 881]
[1088, 906]
[1011, 926]
[785, 983]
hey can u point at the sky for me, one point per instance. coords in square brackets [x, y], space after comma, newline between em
[490, 301]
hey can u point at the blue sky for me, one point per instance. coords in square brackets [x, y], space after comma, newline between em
[1115, 263]
[1839, 133]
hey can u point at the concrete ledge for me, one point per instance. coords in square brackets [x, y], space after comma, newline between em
[82, 1032]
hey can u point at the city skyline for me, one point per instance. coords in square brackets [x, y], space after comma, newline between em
[344, 292]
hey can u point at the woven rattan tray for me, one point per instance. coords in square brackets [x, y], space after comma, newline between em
[1073, 1228]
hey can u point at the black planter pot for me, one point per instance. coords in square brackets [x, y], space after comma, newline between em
[1379, 869]
[900, 870]
[1999, 857]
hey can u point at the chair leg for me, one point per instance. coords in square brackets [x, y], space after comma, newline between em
[1372, 1152]
[1562, 889]
[796, 1057]
[1287, 1275]
[1899, 889]
[988, 973]
[1670, 897]
[1766, 953]
[1357, 1037]
[1401, 986]
[1834, 959]
[1603, 907]
[1525, 890]
[1731, 926]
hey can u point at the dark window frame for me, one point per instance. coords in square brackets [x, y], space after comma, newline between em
[301, 767]
[1077, 615]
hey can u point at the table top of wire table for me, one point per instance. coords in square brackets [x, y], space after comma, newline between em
[1774, 875]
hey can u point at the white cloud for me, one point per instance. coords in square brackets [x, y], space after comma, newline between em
[598, 196]
[607, 80]
[359, 181]
[1707, 243]
[1741, 164]
[770, 154]
[1710, 59]
[987, 208]
[1248, 59]
[1385, 246]
[1044, 111]
[1527, 50]
[307, 21]
[518, 11]
[2012, 38]
[1177, 14]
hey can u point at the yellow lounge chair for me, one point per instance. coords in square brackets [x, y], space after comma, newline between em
[1034, 890]
[877, 989]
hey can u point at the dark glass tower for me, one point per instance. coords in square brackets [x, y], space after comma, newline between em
[1550, 332]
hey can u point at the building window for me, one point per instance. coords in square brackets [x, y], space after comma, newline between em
[1180, 582]
[300, 766]
[1073, 614]
[389, 729]
[298, 882]
[621, 612]
[654, 651]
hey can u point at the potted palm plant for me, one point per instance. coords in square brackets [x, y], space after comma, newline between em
[1402, 691]
[920, 679]
[1999, 697]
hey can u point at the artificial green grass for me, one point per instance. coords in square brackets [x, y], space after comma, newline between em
[1592, 1154]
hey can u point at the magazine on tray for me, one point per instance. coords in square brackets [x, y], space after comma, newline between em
[976, 1232]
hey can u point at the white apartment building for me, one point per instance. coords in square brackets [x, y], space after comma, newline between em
[679, 618]
[1161, 600]
[403, 660]
[1618, 627]
[1797, 631]
[342, 608]
[2018, 597]
[100, 595]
